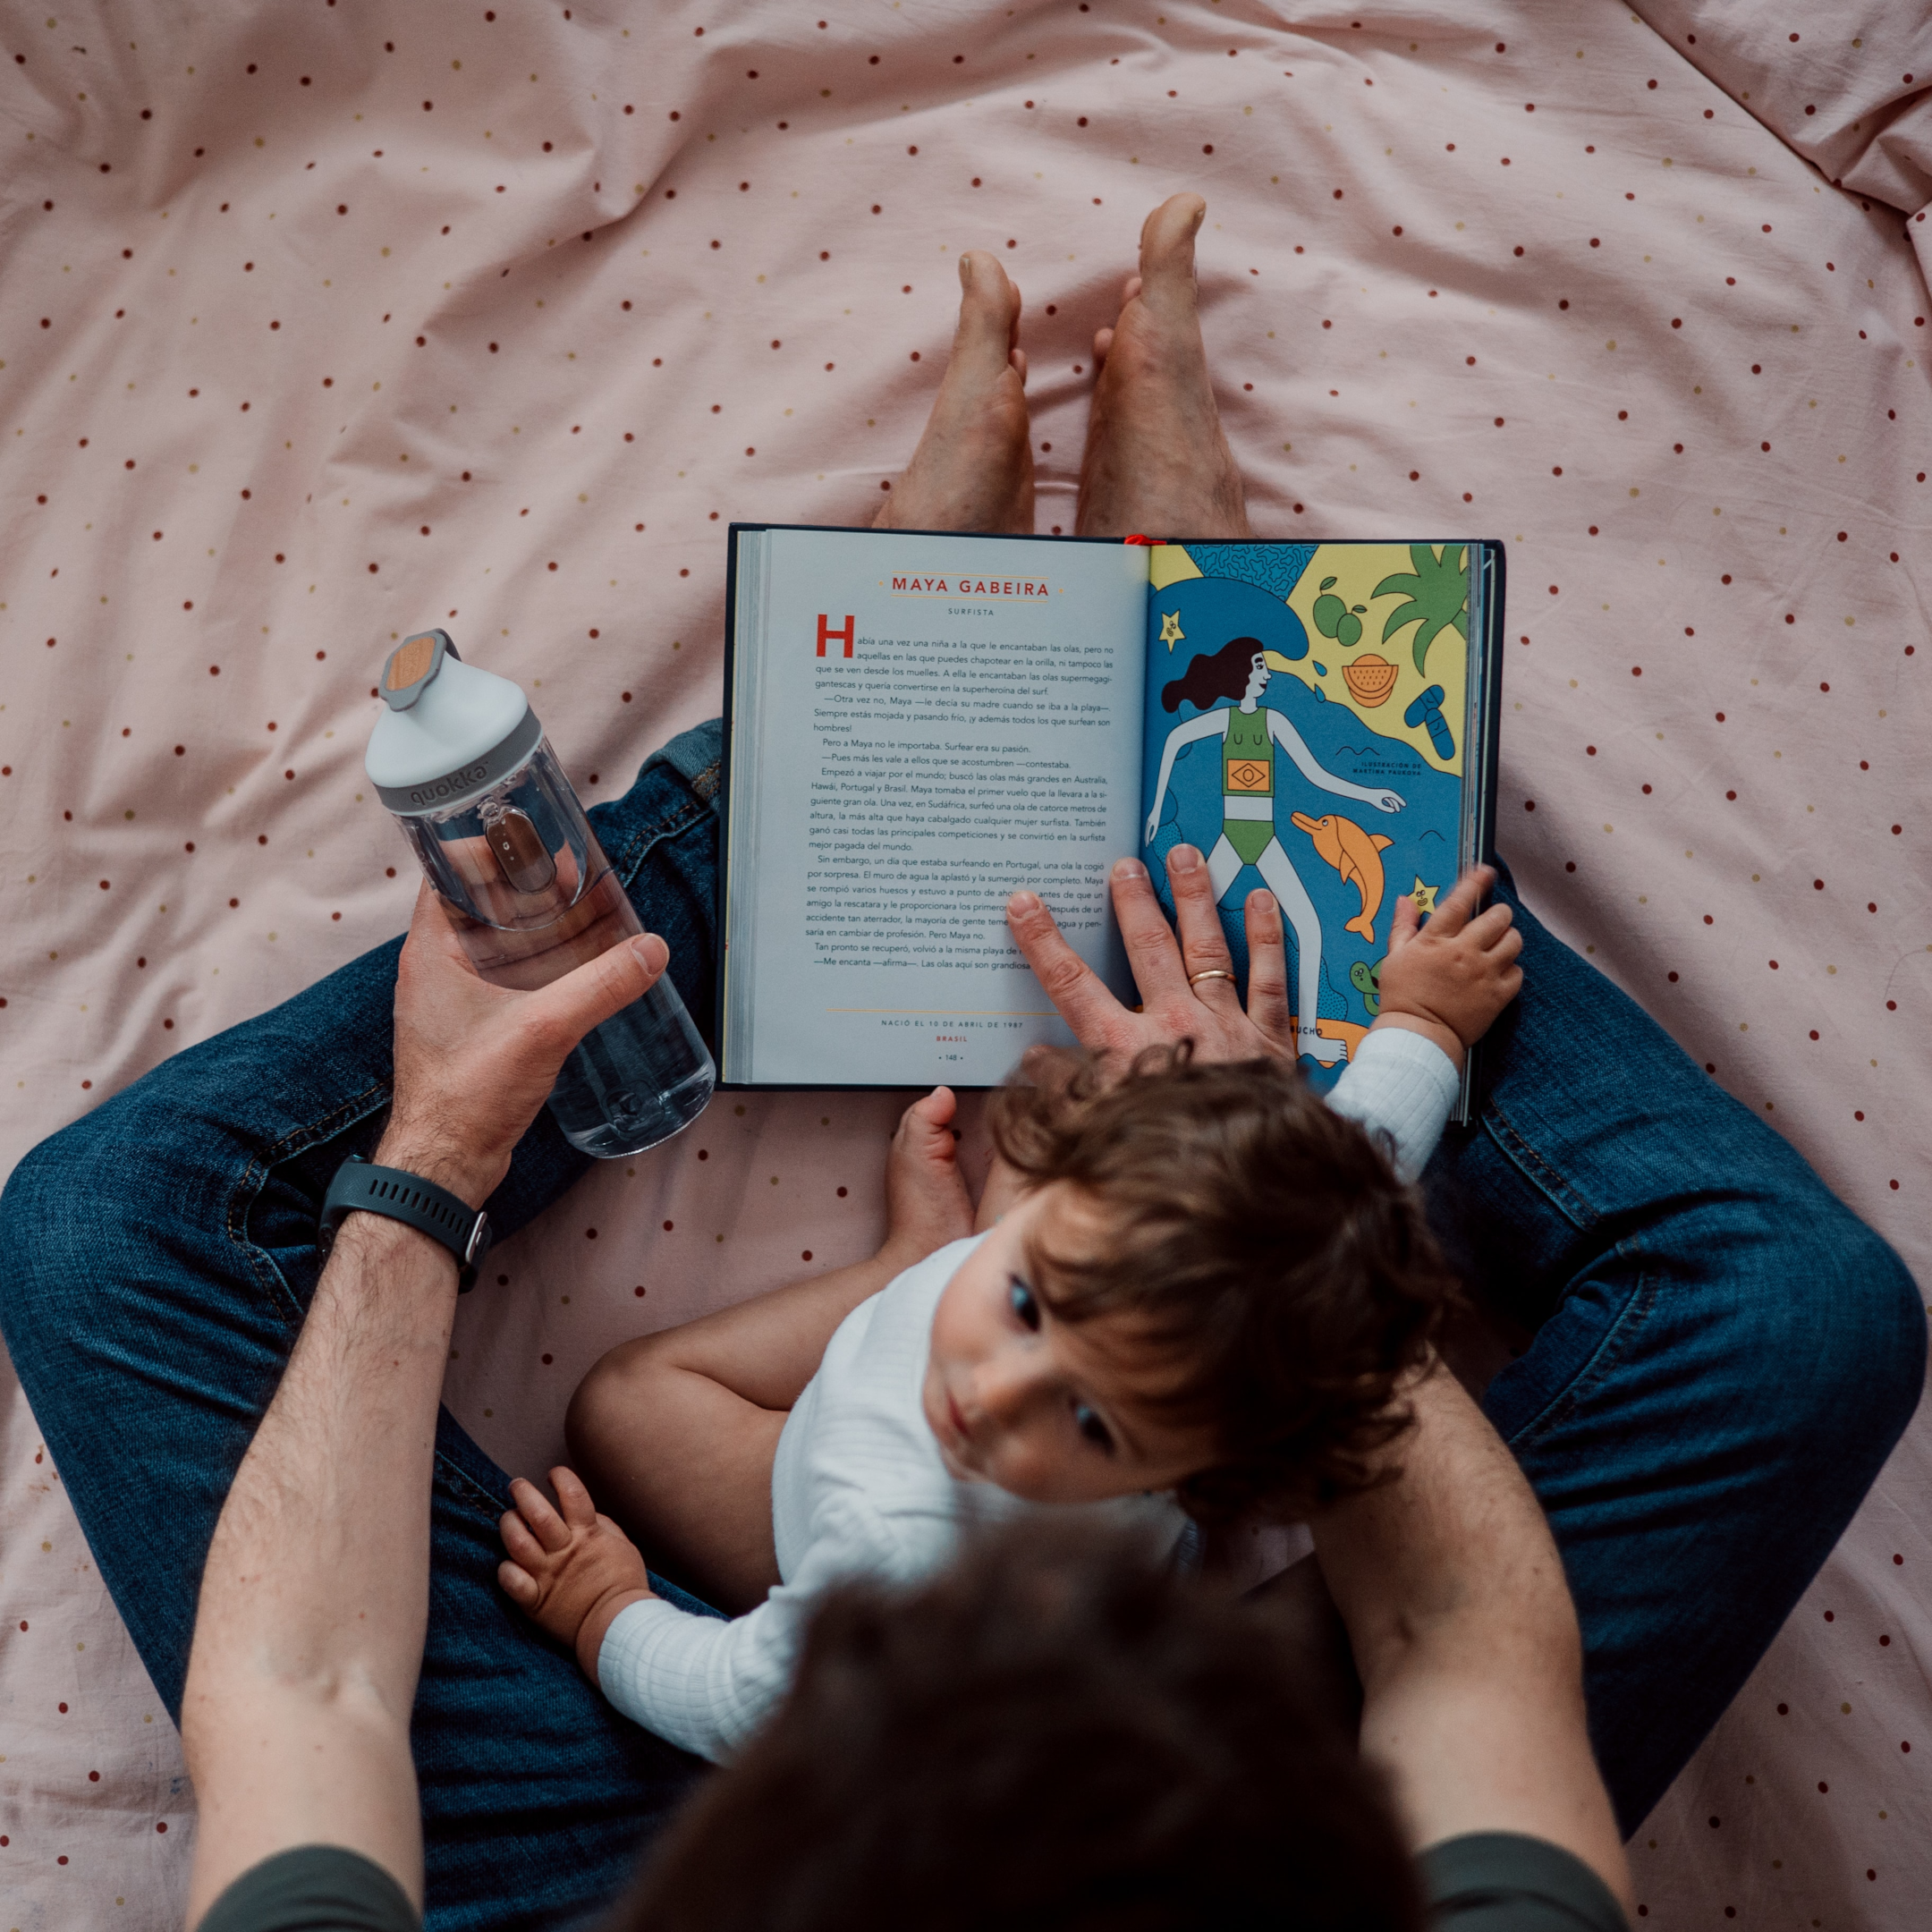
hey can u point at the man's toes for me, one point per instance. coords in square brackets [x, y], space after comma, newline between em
[1167, 247]
[1102, 341]
[989, 311]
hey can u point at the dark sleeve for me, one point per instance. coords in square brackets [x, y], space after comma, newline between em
[1503, 1882]
[314, 1888]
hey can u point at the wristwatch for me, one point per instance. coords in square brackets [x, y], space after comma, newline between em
[362, 1187]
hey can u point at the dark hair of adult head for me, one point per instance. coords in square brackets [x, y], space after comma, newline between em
[1058, 1736]
[1263, 1248]
[1221, 674]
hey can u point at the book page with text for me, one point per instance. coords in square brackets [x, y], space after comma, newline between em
[921, 725]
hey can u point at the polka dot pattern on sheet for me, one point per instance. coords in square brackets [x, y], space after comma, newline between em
[315, 337]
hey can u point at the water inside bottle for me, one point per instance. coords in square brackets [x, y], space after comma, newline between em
[639, 1078]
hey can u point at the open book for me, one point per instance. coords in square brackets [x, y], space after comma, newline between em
[918, 726]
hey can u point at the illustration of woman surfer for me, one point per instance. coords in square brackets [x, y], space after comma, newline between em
[1248, 730]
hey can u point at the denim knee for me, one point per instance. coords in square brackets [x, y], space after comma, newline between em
[51, 1217]
[1854, 1332]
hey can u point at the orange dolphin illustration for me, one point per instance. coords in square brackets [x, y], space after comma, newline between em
[1357, 856]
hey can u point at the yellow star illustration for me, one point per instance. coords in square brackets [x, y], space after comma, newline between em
[1171, 632]
[1423, 896]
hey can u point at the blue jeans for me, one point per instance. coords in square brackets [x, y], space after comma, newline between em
[1722, 1356]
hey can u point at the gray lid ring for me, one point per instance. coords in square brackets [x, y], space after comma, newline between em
[467, 782]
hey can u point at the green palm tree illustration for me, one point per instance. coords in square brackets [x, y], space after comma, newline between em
[1437, 594]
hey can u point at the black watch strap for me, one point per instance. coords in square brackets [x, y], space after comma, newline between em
[362, 1187]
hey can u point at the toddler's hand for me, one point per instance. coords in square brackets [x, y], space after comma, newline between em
[926, 1204]
[1452, 977]
[570, 1573]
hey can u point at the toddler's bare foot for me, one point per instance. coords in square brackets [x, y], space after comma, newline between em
[1157, 463]
[926, 1204]
[973, 469]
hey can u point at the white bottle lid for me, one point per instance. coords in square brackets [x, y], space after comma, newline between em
[448, 731]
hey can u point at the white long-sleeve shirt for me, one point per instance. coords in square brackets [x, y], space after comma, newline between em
[859, 1487]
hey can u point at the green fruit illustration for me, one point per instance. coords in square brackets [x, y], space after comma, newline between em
[1330, 613]
[1348, 630]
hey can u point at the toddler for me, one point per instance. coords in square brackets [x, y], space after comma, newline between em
[1199, 1301]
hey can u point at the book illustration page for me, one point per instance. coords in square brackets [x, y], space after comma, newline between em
[941, 720]
[1305, 707]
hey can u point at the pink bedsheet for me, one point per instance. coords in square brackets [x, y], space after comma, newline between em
[321, 324]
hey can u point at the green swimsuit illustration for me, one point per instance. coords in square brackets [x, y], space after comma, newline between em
[1248, 733]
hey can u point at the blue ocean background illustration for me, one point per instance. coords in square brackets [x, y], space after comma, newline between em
[1211, 612]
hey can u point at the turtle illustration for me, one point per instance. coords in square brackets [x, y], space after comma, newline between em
[1367, 980]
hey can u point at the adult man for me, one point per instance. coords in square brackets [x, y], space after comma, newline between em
[312, 1616]
[1677, 1260]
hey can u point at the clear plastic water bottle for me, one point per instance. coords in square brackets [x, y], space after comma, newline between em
[459, 758]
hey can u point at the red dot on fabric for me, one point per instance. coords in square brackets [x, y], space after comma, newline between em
[638, 1290]
[160, 1824]
[1529, 804]
[842, 1192]
[806, 1256]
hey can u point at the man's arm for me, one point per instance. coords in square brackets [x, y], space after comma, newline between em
[1467, 1643]
[315, 1596]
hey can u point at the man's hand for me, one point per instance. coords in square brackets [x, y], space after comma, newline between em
[474, 1062]
[572, 1573]
[1449, 979]
[1208, 1012]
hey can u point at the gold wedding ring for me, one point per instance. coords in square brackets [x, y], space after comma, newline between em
[1213, 972]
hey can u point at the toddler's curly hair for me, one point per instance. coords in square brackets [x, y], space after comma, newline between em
[1261, 1239]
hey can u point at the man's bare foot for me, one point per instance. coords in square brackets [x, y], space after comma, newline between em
[1157, 463]
[973, 469]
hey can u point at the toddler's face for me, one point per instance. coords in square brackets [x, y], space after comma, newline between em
[1053, 1411]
